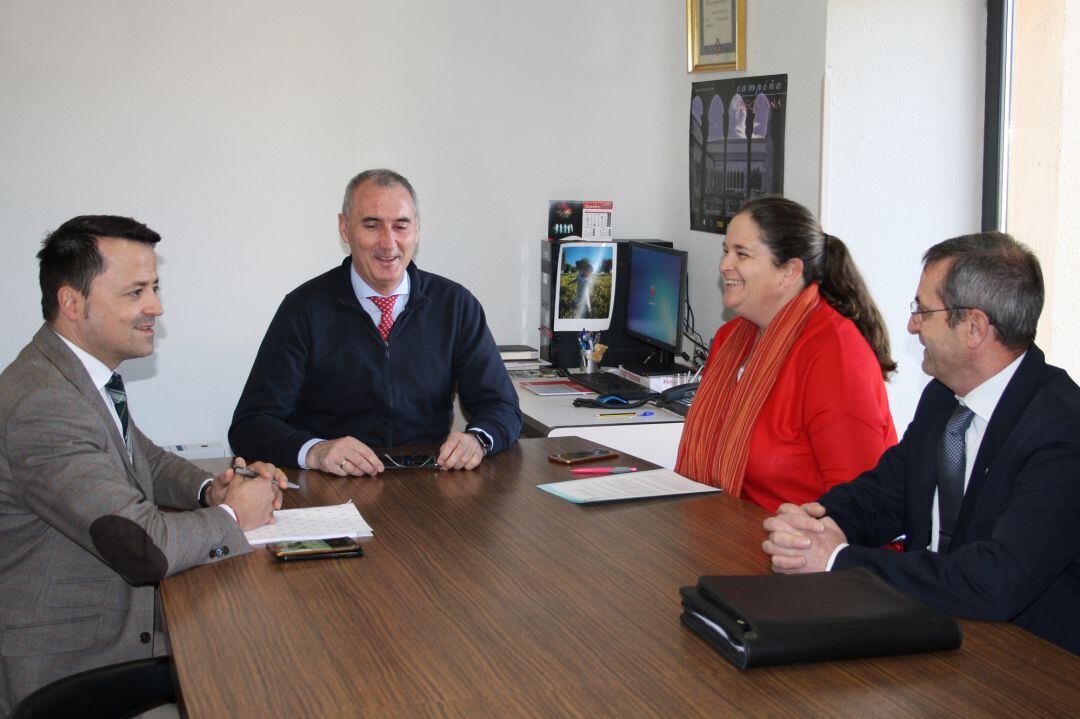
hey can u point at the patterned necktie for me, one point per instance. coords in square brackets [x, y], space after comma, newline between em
[115, 388]
[952, 461]
[386, 307]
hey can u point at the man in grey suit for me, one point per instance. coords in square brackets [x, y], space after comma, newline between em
[81, 488]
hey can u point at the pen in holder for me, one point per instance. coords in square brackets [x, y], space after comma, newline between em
[591, 350]
[590, 358]
[588, 364]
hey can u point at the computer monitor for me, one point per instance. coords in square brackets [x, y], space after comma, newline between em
[655, 298]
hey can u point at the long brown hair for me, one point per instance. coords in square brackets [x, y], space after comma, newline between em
[790, 230]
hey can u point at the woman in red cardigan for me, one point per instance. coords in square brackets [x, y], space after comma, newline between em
[792, 399]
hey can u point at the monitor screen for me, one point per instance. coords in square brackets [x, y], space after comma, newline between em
[656, 288]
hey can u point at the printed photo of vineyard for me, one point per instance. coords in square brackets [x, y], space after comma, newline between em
[585, 282]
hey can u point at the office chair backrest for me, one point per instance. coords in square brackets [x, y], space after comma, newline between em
[109, 692]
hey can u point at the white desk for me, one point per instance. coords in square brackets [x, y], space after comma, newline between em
[654, 438]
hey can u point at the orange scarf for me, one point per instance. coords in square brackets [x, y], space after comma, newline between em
[716, 439]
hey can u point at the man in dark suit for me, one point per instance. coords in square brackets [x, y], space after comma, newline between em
[985, 485]
[81, 488]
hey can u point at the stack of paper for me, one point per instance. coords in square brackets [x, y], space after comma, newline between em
[519, 357]
[512, 365]
[537, 373]
[297, 525]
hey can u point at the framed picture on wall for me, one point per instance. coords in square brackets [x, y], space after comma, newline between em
[736, 146]
[715, 35]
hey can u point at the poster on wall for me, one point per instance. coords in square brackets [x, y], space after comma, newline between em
[586, 279]
[736, 146]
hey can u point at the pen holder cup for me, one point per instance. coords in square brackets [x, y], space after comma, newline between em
[588, 364]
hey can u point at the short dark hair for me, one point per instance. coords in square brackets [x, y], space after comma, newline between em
[790, 230]
[383, 178]
[992, 272]
[69, 255]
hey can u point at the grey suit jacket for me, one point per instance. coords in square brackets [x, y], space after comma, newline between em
[84, 539]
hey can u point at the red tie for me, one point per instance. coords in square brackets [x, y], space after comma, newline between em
[386, 307]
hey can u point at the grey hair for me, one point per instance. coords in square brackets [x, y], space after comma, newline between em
[383, 178]
[992, 272]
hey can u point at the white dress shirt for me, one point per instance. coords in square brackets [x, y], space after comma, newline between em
[364, 291]
[981, 401]
[100, 376]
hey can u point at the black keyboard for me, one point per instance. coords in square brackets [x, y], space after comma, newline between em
[610, 383]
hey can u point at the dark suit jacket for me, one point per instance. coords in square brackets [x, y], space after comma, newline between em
[83, 538]
[1015, 554]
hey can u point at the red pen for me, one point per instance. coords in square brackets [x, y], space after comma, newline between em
[603, 470]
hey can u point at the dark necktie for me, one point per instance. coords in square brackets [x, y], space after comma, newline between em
[386, 307]
[115, 388]
[952, 461]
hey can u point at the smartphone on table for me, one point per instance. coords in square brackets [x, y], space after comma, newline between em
[316, 549]
[585, 455]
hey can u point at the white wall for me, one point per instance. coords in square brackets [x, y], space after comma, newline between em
[893, 92]
[904, 136]
[231, 128]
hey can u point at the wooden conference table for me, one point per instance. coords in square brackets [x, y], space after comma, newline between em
[481, 595]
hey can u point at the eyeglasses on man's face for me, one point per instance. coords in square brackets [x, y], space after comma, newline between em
[917, 311]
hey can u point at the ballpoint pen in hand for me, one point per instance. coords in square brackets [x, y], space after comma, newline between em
[245, 472]
[603, 470]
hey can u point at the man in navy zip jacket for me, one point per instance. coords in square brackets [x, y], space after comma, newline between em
[985, 484]
[370, 353]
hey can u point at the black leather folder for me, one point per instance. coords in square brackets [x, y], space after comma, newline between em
[765, 620]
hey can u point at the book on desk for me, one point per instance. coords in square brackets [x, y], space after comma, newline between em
[537, 373]
[518, 352]
[515, 365]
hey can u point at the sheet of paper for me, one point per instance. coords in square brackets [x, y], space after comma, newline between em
[294, 525]
[632, 485]
[720, 631]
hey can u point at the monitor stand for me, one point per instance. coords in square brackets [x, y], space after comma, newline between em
[662, 363]
[656, 370]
